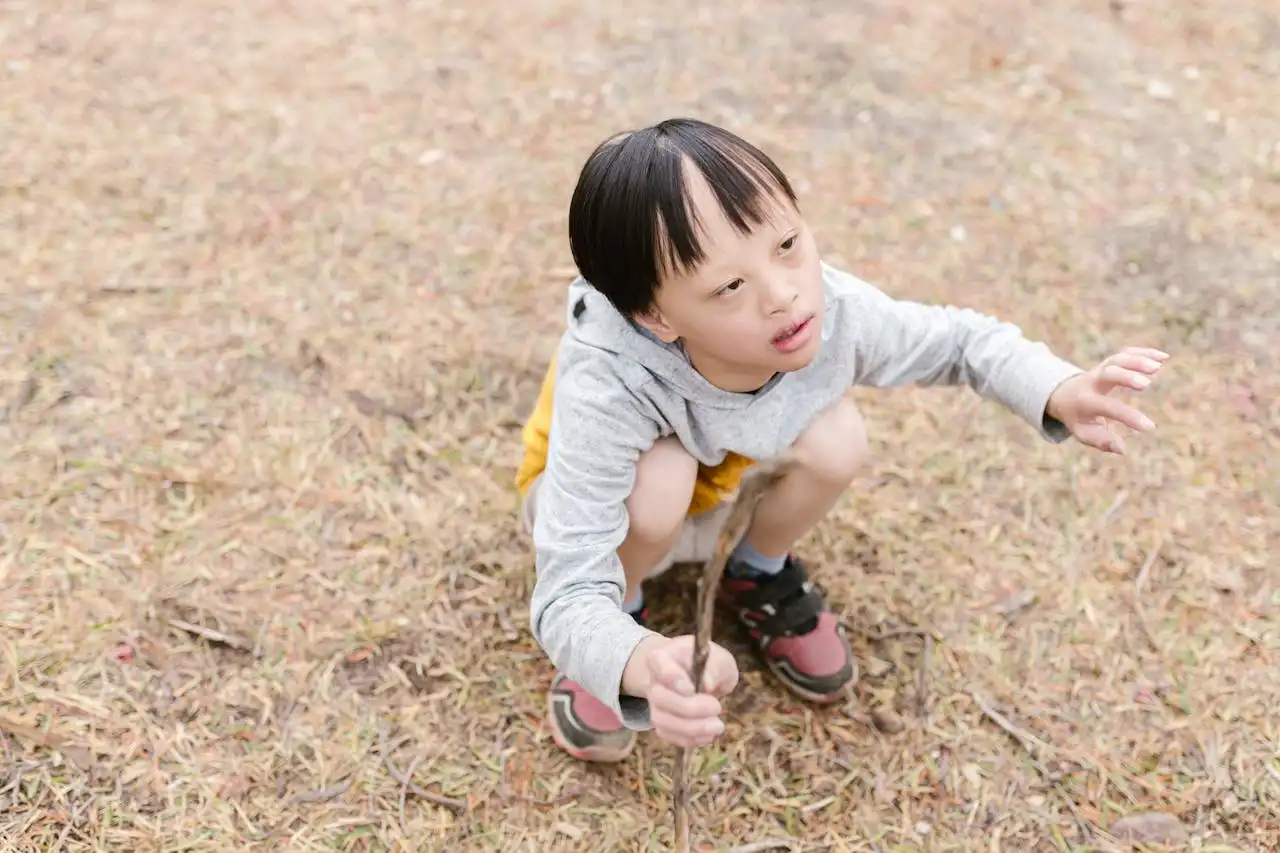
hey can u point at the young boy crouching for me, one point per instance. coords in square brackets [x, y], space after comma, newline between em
[705, 332]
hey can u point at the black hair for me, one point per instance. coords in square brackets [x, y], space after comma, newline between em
[630, 218]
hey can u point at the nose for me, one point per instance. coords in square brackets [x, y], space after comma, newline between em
[780, 294]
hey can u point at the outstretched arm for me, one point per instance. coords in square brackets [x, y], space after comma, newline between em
[902, 342]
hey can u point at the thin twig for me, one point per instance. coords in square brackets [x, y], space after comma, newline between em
[922, 678]
[1139, 584]
[404, 788]
[324, 795]
[755, 484]
[212, 634]
[1031, 744]
[890, 633]
[407, 782]
[782, 844]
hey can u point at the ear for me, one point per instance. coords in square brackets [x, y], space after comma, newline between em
[652, 320]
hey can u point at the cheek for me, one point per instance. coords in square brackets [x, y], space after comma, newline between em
[724, 331]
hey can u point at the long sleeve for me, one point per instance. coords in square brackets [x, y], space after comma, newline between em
[899, 342]
[598, 431]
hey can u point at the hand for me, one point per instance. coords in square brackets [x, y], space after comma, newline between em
[661, 670]
[1084, 406]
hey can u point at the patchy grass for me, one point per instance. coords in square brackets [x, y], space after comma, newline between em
[279, 284]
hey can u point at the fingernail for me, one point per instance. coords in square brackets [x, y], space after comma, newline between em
[1141, 381]
[715, 727]
[1147, 423]
[685, 687]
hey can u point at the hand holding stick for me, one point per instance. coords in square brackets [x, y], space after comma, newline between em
[756, 482]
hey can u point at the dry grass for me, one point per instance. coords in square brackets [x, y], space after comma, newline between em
[279, 283]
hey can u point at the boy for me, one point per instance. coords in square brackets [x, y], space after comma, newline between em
[704, 333]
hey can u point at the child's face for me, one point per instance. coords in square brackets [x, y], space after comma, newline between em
[753, 308]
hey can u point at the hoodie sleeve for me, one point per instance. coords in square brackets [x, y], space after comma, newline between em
[598, 431]
[899, 342]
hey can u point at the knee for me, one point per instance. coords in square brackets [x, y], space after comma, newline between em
[659, 501]
[834, 447]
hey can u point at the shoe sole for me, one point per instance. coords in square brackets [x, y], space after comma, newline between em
[819, 698]
[594, 755]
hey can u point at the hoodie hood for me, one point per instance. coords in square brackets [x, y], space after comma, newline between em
[594, 322]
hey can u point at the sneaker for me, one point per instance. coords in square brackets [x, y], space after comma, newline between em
[800, 639]
[583, 726]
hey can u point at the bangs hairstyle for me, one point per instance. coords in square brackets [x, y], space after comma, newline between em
[631, 220]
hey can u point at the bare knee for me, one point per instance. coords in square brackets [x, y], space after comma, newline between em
[659, 501]
[834, 447]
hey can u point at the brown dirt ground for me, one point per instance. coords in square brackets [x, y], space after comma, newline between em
[279, 282]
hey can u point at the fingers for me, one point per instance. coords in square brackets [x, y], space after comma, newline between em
[673, 668]
[685, 720]
[668, 672]
[1146, 352]
[1115, 410]
[1116, 375]
[1139, 361]
[1097, 436]
[722, 672]
[680, 715]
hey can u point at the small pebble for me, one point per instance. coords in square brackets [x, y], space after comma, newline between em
[1159, 90]
[958, 233]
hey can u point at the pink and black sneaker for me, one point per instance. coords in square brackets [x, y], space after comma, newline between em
[800, 639]
[583, 726]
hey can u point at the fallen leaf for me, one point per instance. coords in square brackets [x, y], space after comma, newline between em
[887, 720]
[77, 756]
[876, 667]
[570, 830]
[1016, 602]
[359, 655]
[972, 773]
[1150, 828]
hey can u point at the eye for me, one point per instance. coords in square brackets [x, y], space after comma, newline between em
[788, 243]
[730, 287]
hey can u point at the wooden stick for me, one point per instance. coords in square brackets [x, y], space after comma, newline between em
[755, 484]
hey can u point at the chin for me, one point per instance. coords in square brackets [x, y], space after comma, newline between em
[792, 362]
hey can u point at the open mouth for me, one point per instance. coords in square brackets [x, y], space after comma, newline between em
[792, 331]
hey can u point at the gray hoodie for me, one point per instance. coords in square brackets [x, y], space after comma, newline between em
[619, 388]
